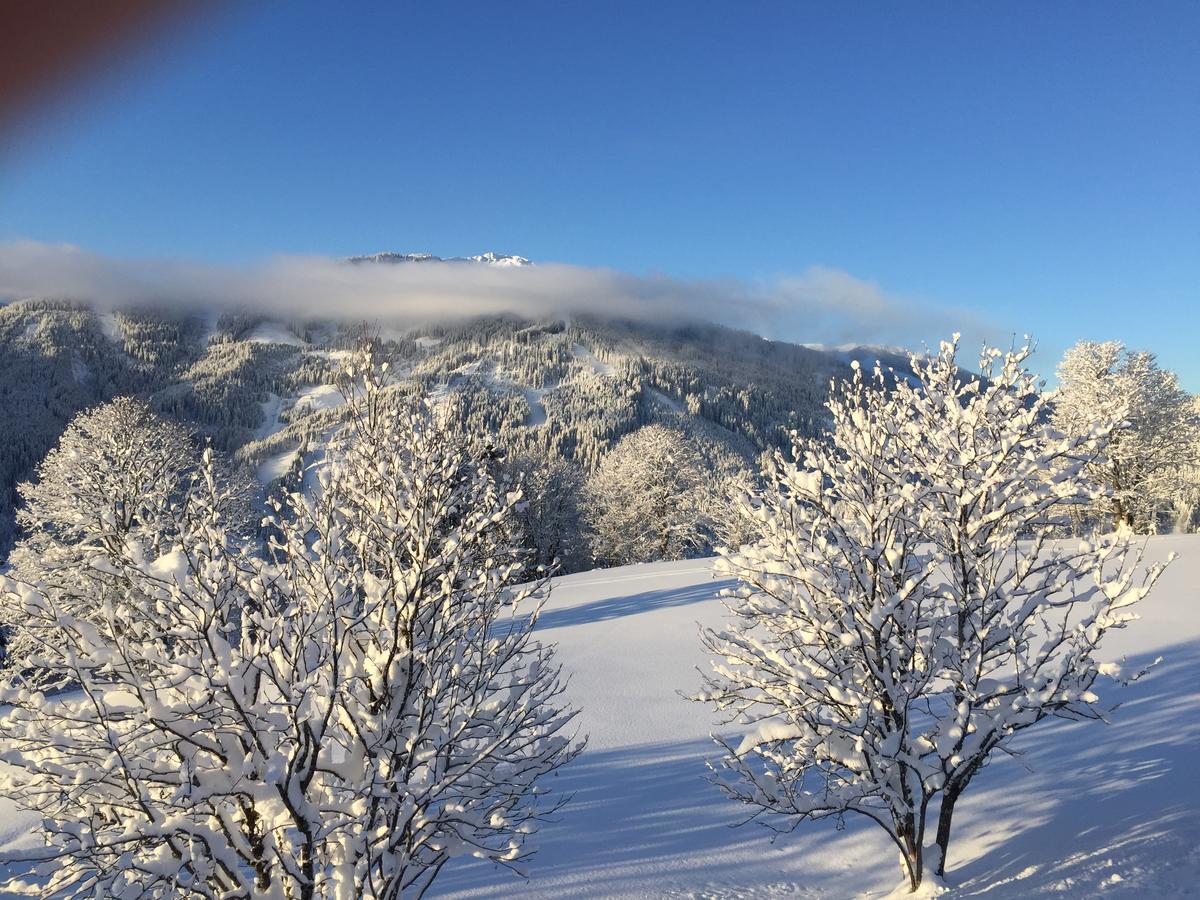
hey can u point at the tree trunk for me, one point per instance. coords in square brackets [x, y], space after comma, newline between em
[915, 865]
[1121, 516]
[945, 816]
[909, 839]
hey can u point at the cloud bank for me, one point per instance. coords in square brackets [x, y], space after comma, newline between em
[818, 306]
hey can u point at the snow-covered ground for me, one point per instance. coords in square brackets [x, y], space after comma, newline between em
[272, 408]
[274, 333]
[668, 403]
[209, 325]
[110, 328]
[319, 396]
[537, 408]
[1086, 810]
[588, 358]
[276, 466]
[311, 399]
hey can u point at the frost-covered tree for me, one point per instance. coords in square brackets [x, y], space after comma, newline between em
[733, 522]
[1147, 459]
[549, 514]
[117, 469]
[647, 500]
[1183, 491]
[339, 719]
[908, 609]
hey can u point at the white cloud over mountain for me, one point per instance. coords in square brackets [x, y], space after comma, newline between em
[819, 305]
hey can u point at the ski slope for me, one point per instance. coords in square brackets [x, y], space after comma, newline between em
[1086, 810]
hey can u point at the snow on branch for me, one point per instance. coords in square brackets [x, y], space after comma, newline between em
[338, 717]
[911, 605]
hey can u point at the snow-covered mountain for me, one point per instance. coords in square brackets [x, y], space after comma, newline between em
[489, 258]
[259, 387]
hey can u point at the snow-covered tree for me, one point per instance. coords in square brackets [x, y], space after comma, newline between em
[339, 719]
[646, 501]
[117, 469]
[1147, 459]
[549, 514]
[908, 609]
[1183, 491]
[733, 523]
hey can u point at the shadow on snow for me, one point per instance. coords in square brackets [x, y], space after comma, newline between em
[629, 605]
[1081, 809]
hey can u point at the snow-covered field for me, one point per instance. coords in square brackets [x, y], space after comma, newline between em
[1085, 810]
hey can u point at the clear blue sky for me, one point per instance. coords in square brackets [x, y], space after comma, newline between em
[1036, 164]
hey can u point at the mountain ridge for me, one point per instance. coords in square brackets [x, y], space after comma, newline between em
[489, 257]
[260, 387]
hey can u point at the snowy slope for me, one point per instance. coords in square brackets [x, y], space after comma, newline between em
[589, 359]
[274, 333]
[1088, 810]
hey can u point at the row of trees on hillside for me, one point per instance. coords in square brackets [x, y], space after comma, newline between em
[652, 498]
[654, 495]
[596, 382]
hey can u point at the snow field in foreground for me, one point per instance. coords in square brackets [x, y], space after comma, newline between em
[1084, 810]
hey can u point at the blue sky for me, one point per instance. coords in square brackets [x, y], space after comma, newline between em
[1031, 165]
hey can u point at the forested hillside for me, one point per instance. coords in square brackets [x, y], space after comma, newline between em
[564, 390]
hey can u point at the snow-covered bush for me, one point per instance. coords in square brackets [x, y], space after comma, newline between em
[339, 719]
[1150, 462]
[647, 500]
[908, 609]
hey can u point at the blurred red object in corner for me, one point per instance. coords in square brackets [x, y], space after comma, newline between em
[53, 46]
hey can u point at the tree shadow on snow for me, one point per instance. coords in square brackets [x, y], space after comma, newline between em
[1089, 809]
[644, 820]
[1084, 810]
[630, 605]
